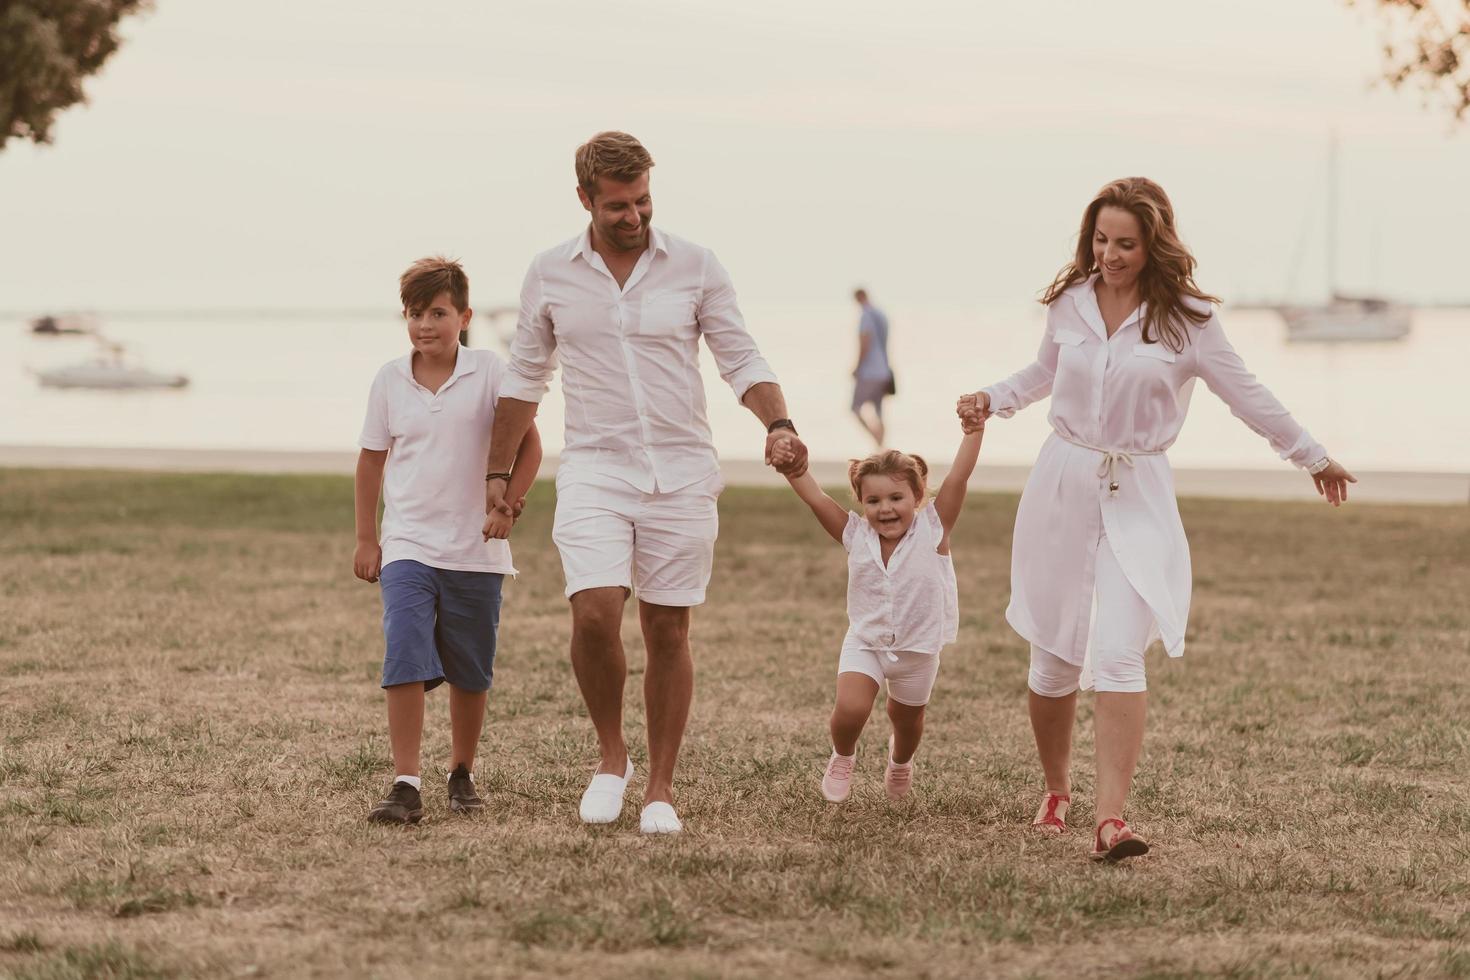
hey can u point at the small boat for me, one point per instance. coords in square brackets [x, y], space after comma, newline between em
[66, 323]
[1342, 317]
[102, 373]
[114, 371]
[1347, 318]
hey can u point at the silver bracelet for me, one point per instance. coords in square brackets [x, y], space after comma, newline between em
[1320, 465]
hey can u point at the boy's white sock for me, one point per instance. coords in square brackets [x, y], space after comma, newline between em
[413, 781]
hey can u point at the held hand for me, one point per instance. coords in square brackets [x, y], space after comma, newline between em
[498, 523]
[367, 561]
[1332, 483]
[496, 507]
[792, 462]
[972, 410]
[495, 495]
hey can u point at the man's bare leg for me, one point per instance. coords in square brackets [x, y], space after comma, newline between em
[874, 425]
[601, 668]
[668, 689]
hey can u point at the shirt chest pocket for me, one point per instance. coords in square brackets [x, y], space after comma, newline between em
[1157, 352]
[667, 313]
[1073, 358]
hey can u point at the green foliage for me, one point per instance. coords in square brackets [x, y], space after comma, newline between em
[1428, 45]
[47, 49]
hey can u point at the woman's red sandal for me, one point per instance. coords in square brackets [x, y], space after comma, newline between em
[1124, 843]
[1051, 819]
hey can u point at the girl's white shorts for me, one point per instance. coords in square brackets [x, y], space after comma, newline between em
[910, 676]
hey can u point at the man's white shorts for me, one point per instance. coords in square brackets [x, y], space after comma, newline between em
[662, 545]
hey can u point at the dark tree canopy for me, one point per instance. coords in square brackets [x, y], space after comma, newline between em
[47, 48]
[1428, 45]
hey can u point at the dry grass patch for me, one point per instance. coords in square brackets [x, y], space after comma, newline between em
[191, 734]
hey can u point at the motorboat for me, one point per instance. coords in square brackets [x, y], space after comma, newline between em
[114, 370]
[65, 323]
[102, 373]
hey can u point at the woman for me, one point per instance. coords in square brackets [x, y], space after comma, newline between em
[1127, 334]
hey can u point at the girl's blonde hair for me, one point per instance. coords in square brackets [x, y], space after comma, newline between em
[1167, 280]
[908, 466]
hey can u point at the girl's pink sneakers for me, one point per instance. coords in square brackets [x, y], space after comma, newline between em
[837, 780]
[898, 780]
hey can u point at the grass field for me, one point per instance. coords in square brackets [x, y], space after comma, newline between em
[192, 734]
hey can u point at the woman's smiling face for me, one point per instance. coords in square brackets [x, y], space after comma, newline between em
[1117, 247]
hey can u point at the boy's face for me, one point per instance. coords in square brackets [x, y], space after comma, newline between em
[888, 504]
[434, 330]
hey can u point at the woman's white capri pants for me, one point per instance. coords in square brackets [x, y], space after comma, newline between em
[1120, 633]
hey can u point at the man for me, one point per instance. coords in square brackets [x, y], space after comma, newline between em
[873, 377]
[622, 307]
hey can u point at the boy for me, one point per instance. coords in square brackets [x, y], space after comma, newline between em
[441, 558]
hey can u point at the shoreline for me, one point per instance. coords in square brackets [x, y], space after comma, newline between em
[1279, 483]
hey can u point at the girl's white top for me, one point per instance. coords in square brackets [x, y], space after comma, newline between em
[910, 605]
[1117, 394]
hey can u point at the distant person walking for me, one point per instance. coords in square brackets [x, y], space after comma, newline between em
[873, 376]
[1127, 335]
[621, 308]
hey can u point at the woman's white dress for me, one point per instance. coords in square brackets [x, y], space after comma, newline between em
[1121, 395]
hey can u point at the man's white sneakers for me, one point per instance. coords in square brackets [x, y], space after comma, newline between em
[603, 800]
[660, 818]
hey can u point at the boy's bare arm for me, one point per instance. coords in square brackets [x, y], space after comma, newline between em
[951, 498]
[512, 418]
[367, 484]
[498, 522]
[523, 473]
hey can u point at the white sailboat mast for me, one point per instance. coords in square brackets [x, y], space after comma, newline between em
[1331, 215]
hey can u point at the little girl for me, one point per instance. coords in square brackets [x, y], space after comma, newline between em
[902, 603]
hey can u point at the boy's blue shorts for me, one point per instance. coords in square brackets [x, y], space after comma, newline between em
[439, 625]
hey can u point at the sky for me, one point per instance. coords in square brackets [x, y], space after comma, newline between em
[298, 155]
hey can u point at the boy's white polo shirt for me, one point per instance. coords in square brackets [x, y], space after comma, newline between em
[434, 480]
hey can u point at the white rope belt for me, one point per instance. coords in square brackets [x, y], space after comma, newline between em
[1110, 459]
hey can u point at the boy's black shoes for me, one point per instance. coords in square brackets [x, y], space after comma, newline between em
[462, 795]
[402, 805]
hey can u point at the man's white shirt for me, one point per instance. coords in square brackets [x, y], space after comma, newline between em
[635, 401]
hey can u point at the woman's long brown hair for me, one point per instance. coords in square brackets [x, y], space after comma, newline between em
[1168, 271]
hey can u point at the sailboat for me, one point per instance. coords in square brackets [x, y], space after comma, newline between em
[1343, 317]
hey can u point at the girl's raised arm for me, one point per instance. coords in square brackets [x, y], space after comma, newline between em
[951, 497]
[830, 514]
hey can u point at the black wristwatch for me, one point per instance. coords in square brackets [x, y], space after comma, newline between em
[781, 424]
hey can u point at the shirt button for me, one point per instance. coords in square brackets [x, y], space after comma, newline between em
[435, 406]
